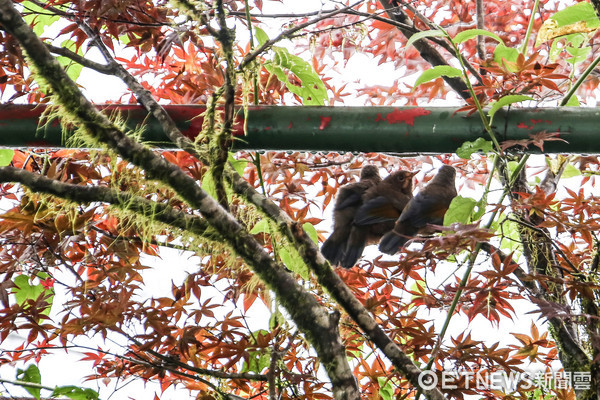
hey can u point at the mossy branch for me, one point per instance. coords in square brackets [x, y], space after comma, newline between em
[541, 259]
[125, 201]
[222, 142]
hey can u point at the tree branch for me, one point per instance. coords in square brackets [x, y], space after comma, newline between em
[541, 260]
[61, 51]
[126, 201]
[220, 145]
[442, 42]
[480, 12]
[429, 54]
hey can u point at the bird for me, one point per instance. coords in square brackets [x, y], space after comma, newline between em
[348, 201]
[427, 207]
[382, 205]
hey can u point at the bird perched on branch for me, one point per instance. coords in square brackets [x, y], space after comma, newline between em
[382, 205]
[349, 200]
[428, 207]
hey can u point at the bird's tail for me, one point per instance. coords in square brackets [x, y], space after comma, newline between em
[333, 250]
[391, 242]
[354, 249]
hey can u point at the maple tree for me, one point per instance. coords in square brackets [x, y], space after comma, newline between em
[82, 229]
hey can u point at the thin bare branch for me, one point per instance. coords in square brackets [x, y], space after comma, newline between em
[480, 11]
[61, 51]
[288, 33]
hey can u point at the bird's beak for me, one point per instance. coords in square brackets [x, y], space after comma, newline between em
[412, 174]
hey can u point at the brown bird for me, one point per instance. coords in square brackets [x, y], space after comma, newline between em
[383, 204]
[349, 199]
[428, 207]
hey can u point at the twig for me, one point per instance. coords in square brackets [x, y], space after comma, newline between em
[26, 384]
[480, 11]
[287, 33]
[103, 69]
[139, 240]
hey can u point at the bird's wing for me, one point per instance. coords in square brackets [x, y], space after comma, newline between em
[376, 210]
[351, 195]
[349, 199]
[425, 209]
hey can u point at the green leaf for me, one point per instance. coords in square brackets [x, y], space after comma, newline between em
[36, 14]
[312, 90]
[238, 165]
[311, 232]
[504, 101]
[511, 237]
[583, 11]
[481, 204]
[512, 166]
[473, 33]
[73, 69]
[555, 50]
[260, 35]
[257, 362]
[436, 72]
[506, 56]
[263, 361]
[24, 290]
[570, 172]
[6, 156]
[261, 226]
[386, 389]
[507, 53]
[124, 39]
[208, 185]
[579, 54]
[573, 102]
[75, 393]
[294, 262]
[460, 210]
[31, 375]
[276, 319]
[424, 34]
[468, 148]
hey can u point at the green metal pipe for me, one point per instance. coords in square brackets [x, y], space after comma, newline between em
[340, 129]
